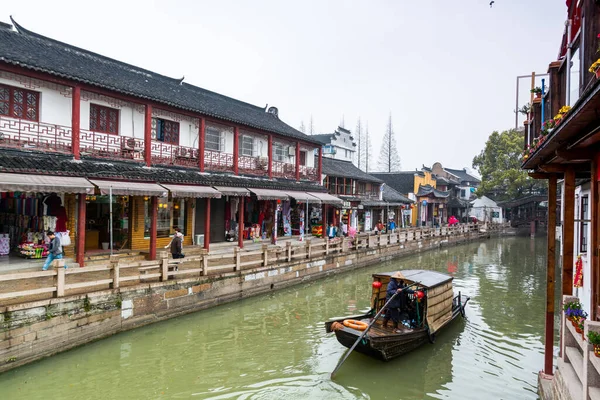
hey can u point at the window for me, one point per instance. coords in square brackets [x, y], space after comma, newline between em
[246, 146]
[165, 131]
[303, 158]
[463, 193]
[171, 215]
[362, 188]
[574, 78]
[19, 103]
[583, 231]
[212, 139]
[278, 152]
[348, 187]
[104, 119]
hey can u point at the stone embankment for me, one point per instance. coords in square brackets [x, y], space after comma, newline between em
[62, 309]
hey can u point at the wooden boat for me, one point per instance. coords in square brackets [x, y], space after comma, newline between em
[433, 306]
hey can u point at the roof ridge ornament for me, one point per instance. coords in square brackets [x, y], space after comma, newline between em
[274, 111]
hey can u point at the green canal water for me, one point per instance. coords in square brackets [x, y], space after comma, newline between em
[274, 346]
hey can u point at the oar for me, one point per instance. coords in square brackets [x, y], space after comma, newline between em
[368, 327]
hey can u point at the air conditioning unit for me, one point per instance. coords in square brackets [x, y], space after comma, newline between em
[291, 151]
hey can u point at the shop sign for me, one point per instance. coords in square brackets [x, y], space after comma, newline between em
[360, 206]
[346, 205]
[440, 206]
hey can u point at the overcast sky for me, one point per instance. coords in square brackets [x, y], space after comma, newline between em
[445, 69]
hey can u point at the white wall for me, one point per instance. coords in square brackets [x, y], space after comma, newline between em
[131, 121]
[584, 293]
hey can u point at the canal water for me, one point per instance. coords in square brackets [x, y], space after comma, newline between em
[274, 346]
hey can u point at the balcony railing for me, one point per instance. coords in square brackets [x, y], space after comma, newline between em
[309, 173]
[104, 145]
[284, 170]
[218, 161]
[168, 154]
[19, 133]
[253, 165]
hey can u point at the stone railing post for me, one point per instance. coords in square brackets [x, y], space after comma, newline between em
[326, 246]
[265, 250]
[308, 249]
[164, 266]
[115, 272]
[288, 247]
[59, 266]
[236, 253]
[343, 245]
[204, 264]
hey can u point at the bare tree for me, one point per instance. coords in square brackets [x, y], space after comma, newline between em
[389, 160]
[311, 126]
[302, 128]
[359, 136]
[368, 149]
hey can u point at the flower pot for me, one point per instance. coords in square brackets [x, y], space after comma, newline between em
[573, 322]
[578, 329]
[538, 95]
[597, 350]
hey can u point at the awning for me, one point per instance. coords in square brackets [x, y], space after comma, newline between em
[302, 197]
[192, 191]
[233, 191]
[374, 203]
[44, 183]
[122, 188]
[326, 198]
[269, 194]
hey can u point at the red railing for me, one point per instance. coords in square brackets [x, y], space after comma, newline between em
[104, 145]
[218, 161]
[309, 173]
[169, 154]
[20, 133]
[284, 170]
[253, 165]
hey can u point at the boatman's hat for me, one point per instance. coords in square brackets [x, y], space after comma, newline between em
[398, 275]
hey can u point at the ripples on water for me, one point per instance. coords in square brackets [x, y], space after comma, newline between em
[274, 346]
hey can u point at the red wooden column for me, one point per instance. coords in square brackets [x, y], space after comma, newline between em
[153, 226]
[241, 223]
[207, 225]
[201, 138]
[320, 166]
[148, 135]
[568, 231]
[236, 149]
[75, 121]
[270, 150]
[297, 161]
[595, 268]
[550, 271]
[80, 245]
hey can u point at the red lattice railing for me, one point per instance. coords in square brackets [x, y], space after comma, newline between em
[169, 154]
[104, 145]
[20, 133]
[309, 173]
[218, 161]
[253, 165]
[284, 170]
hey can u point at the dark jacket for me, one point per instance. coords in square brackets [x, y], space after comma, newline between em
[176, 245]
[55, 246]
[401, 300]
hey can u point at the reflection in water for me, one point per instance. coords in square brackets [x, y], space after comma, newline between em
[274, 346]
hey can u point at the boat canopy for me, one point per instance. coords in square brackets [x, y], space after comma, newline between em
[428, 279]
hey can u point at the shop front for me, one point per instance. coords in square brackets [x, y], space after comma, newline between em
[31, 205]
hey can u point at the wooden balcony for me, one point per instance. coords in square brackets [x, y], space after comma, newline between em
[284, 170]
[169, 154]
[23, 134]
[104, 145]
[253, 165]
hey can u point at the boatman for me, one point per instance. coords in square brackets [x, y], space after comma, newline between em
[396, 285]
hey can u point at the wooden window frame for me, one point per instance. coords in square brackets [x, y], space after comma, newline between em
[246, 140]
[108, 110]
[163, 123]
[11, 103]
[583, 236]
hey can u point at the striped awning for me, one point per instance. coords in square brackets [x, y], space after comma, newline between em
[302, 197]
[192, 191]
[269, 194]
[124, 188]
[44, 184]
[233, 191]
[326, 198]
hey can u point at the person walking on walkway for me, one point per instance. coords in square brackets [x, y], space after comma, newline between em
[177, 245]
[55, 251]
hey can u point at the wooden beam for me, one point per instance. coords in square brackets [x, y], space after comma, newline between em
[562, 168]
[75, 121]
[550, 274]
[153, 225]
[568, 231]
[571, 155]
[543, 175]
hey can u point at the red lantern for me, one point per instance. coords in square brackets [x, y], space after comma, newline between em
[376, 284]
[419, 294]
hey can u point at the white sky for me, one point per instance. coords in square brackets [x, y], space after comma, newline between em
[445, 69]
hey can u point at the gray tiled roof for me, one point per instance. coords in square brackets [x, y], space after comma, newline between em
[324, 138]
[14, 161]
[463, 175]
[403, 182]
[426, 190]
[345, 169]
[392, 196]
[36, 52]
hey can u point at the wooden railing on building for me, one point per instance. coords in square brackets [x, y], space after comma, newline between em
[117, 274]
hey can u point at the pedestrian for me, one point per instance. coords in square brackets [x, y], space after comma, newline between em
[177, 245]
[392, 226]
[330, 231]
[380, 227]
[55, 250]
[397, 306]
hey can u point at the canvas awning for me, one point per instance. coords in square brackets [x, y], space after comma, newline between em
[192, 191]
[44, 183]
[269, 194]
[302, 197]
[233, 191]
[326, 198]
[123, 188]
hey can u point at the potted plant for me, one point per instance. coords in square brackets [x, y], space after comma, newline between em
[570, 307]
[525, 110]
[594, 339]
[538, 92]
[595, 68]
